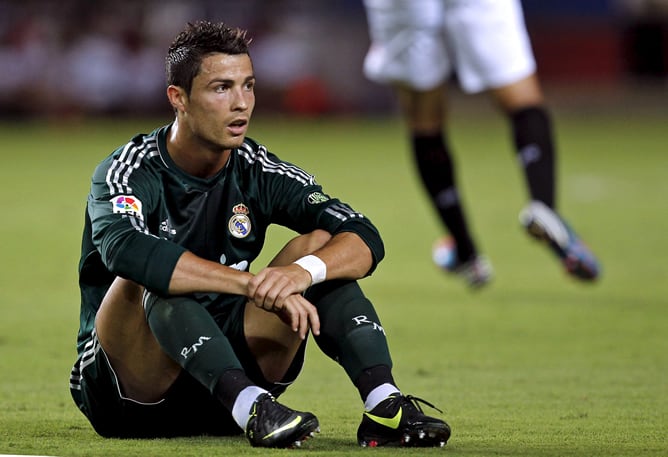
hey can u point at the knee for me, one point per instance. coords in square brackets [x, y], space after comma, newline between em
[525, 93]
[120, 322]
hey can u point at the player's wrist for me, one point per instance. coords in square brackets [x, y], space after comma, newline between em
[315, 266]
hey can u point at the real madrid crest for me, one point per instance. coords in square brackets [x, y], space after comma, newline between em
[239, 224]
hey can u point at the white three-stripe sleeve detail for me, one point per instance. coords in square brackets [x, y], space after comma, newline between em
[271, 166]
[343, 212]
[118, 175]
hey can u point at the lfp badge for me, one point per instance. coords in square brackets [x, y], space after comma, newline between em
[239, 224]
[124, 204]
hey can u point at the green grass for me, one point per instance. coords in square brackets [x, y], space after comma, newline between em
[534, 365]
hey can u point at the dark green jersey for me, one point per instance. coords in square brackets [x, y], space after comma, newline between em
[143, 212]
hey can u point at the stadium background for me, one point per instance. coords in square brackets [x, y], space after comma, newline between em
[74, 57]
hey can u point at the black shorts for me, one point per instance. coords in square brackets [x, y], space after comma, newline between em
[187, 409]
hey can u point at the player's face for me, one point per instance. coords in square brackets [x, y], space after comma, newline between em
[222, 99]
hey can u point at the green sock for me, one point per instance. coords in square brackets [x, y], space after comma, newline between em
[350, 330]
[188, 334]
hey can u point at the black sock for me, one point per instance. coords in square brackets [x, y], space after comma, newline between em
[372, 377]
[436, 167]
[532, 133]
[229, 385]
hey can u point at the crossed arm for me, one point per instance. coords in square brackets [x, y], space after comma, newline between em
[278, 288]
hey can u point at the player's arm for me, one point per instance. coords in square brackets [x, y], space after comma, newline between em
[355, 248]
[278, 287]
[345, 256]
[195, 274]
[352, 251]
[119, 212]
[158, 264]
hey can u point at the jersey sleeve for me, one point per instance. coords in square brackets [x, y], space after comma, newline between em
[298, 202]
[119, 209]
[336, 216]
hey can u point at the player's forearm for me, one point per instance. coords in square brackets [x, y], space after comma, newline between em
[194, 274]
[346, 257]
[369, 236]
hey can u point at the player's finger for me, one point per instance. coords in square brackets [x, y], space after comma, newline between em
[263, 290]
[273, 289]
[290, 315]
[308, 318]
[313, 318]
[257, 290]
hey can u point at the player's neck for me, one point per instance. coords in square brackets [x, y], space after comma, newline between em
[194, 156]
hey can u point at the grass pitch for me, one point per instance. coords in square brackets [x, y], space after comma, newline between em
[536, 364]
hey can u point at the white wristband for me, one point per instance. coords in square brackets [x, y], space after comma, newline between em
[315, 266]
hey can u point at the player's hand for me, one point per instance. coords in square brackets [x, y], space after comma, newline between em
[278, 290]
[271, 286]
[299, 314]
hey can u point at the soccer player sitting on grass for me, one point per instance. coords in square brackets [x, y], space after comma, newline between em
[177, 337]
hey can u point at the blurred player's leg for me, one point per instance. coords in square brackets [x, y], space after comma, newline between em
[543, 224]
[476, 271]
[532, 132]
[425, 115]
[523, 103]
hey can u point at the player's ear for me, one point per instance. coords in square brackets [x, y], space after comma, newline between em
[177, 97]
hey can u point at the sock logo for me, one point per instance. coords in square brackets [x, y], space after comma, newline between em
[447, 198]
[529, 154]
[362, 319]
[192, 349]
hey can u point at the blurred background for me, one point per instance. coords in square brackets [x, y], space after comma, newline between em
[82, 57]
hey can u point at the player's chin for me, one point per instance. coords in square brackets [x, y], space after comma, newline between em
[234, 142]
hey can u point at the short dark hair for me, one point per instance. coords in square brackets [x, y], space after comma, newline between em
[196, 41]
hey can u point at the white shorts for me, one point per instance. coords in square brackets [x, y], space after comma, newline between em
[421, 43]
